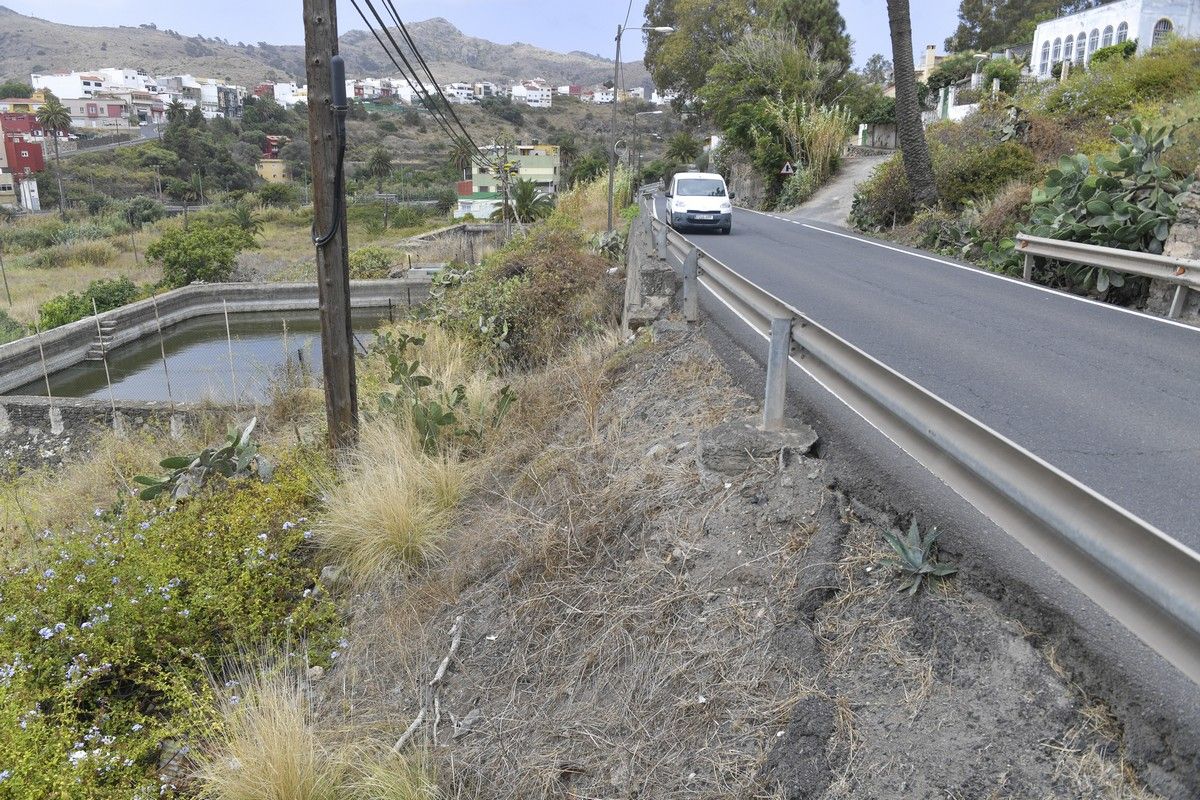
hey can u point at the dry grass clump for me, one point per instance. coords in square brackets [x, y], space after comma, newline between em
[1000, 215]
[270, 746]
[587, 203]
[394, 503]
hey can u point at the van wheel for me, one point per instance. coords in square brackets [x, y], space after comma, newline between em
[725, 231]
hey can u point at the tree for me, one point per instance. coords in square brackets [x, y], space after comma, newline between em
[815, 23]
[461, 155]
[526, 203]
[199, 253]
[683, 148]
[877, 70]
[918, 166]
[15, 89]
[992, 24]
[379, 167]
[55, 118]
[680, 61]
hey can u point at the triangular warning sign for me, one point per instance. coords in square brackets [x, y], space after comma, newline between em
[788, 169]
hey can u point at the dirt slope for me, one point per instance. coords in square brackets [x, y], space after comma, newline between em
[638, 621]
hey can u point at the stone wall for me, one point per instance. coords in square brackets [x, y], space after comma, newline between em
[650, 282]
[1184, 242]
[37, 432]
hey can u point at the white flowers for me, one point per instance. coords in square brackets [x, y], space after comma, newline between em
[46, 633]
[48, 574]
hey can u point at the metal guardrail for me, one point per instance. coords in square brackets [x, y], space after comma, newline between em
[1142, 577]
[651, 189]
[1183, 272]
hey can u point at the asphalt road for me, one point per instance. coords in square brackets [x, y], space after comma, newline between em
[1108, 396]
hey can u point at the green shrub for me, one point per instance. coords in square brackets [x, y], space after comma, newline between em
[142, 210]
[1123, 50]
[968, 171]
[275, 195]
[1008, 71]
[69, 307]
[200, 252]
[531, 298]
[75, 254]
[112, 631]
[883, 200]
[797, 189]
[1165, 73]
[373, 262]
[10, 329]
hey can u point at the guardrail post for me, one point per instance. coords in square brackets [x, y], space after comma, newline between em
[1029, 266]
[1181, 293]
[777, 364]
[661, 241]
[691, 285]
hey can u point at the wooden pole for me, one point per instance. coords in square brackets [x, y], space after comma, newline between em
[329, 215]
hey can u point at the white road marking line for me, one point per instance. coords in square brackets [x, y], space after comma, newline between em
[982, 272]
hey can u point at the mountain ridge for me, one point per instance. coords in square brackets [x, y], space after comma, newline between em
[30, 44]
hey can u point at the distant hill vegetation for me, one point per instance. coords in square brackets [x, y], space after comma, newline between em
[29, 44]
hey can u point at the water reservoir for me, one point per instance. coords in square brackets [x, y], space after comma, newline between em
[198, 359]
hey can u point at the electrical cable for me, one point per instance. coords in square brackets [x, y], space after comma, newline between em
[407, 71]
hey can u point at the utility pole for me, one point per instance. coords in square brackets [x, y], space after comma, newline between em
[327, 138]
[612, 131]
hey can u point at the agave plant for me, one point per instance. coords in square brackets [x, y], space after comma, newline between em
[236, 457]
[916, 557]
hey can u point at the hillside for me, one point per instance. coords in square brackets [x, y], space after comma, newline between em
[30, 44]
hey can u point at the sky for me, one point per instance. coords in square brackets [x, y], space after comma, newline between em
[563, 25]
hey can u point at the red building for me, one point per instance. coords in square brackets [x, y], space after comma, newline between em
[23, 138]
[273, 145]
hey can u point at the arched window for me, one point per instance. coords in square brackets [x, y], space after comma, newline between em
[1122, 32]
[1056, 56]
[1162, 29]
[1044, 69]
[1069, 49]
[1107, 39]
[1093, 42]
[1080, 47]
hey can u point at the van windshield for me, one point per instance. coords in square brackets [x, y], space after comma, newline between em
[700, 187]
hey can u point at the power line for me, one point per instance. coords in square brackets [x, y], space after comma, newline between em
[421, 59]
[409, 73]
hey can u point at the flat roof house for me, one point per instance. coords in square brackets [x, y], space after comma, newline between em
[1075, 37]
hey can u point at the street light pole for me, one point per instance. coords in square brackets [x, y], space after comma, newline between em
[612, 133]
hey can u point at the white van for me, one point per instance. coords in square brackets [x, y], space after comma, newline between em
[699, 200]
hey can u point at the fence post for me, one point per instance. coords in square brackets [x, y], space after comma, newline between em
[1181, 293]
[660, 239]
[691, 285]
[777, 364]
[1029, 266]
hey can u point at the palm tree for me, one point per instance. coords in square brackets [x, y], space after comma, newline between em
[461, 155]
[683, 148]
[379, 167]
[918, 167]
[526, 203]
[55, 119]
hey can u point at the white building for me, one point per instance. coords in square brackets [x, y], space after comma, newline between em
[637, 93]
[460, 93]
[663, 99]
[1075, 37]
[71, 84]
[599, 95]
[533, 94]
[486, 89]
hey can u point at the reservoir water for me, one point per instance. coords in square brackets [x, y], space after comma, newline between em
[198, 360]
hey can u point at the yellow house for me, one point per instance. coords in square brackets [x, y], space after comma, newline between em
[272, 170]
